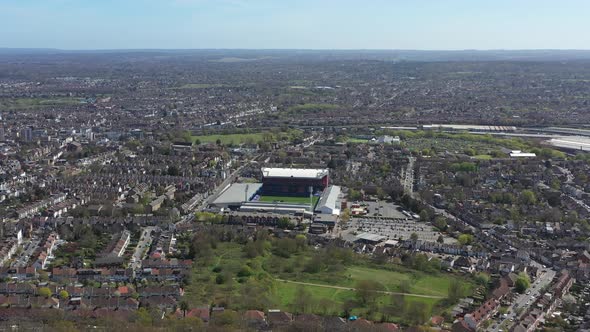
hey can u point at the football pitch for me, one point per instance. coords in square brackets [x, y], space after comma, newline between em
[289, 199]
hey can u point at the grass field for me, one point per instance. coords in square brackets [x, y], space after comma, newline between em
[483, 157]
[34, 103]
[228, 259]
[230, 138]
[289, 199]
[356, 140]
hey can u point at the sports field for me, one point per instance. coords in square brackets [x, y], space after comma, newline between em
[289, 199]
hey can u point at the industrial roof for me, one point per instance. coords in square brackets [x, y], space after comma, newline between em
[518, 153]
[330, 199]
[370, 237]
[236, 193]
[307, 173]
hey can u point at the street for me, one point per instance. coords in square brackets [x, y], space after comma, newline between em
[142, 246]
[523, 301]
[28, 250]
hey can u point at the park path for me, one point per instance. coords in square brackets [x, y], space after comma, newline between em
[353, 289]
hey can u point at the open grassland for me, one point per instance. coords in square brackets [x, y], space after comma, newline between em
[35, 103]
[232, 278]
[356, 140]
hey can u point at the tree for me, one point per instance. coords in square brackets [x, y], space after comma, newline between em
[226, 318]
[424, 216]
[440, 223]
[63, 294]
[465, 239]
[404, 286]
[45, 292]
[455, 291]
[417, 313]
[173, 171]
[414, 237]
[470, 151]
[184, 307]
[222, 278]
[367, 291]
[381, 193]
[528, 197]
[245, 272]
[285, 223]
[300, 241]
[303, 302]
[345, 216]
[398, 302]
[523, 282]
[483, 279]
[440, 239]
[354, 195]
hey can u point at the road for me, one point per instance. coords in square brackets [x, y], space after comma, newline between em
[408, 177]
[353, 289]
[28, 250]
[142, 246]
[523, 301]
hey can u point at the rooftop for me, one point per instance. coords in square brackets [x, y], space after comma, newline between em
[237, 192]
[307, 173]
[370, 237]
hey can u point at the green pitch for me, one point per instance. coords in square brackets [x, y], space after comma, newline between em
[289, 199]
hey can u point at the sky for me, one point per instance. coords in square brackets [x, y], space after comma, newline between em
[295, 24]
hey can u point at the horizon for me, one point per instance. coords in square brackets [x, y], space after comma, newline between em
[305, 49]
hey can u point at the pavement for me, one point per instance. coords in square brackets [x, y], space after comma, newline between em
[522, 302]
[393, 228]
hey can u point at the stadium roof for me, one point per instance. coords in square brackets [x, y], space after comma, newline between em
[236, 193]
[303, 173]
[518, 153]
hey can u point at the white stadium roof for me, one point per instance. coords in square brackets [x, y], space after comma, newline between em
[518, 153]
[305, 173]
[237, 193]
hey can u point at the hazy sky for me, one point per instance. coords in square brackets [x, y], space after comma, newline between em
[310, 24]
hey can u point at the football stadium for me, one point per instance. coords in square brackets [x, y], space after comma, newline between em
[297, 191]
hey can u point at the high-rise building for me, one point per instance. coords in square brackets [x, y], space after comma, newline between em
[26, 134]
